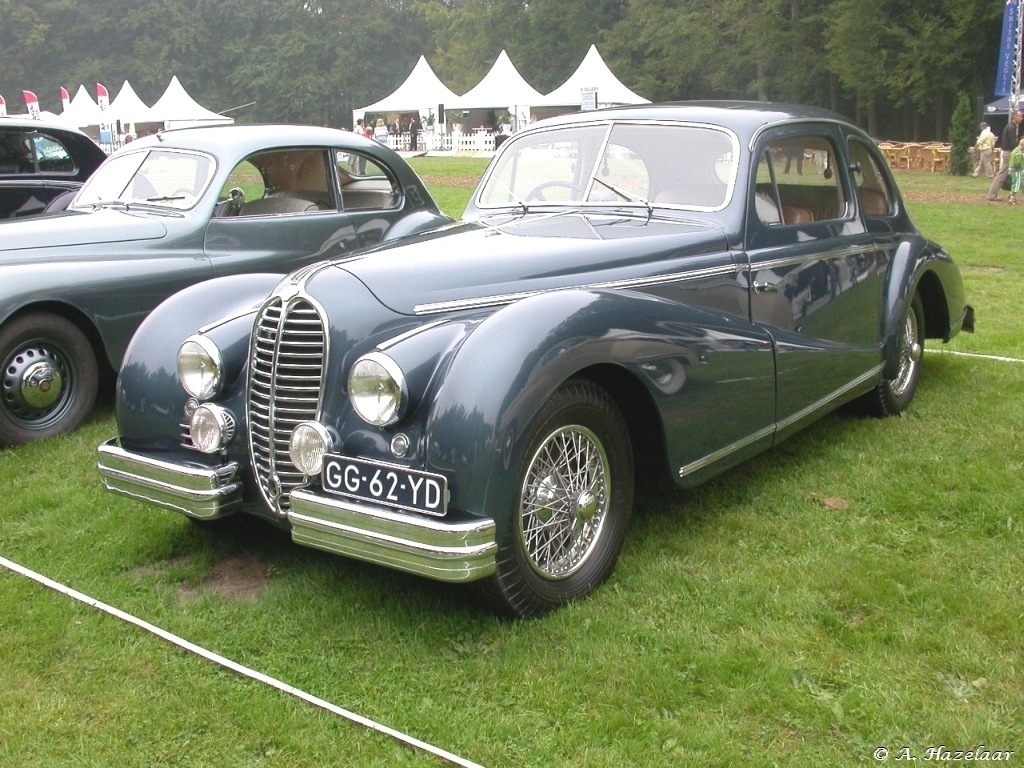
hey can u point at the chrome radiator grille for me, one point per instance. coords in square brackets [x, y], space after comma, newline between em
[285, 372]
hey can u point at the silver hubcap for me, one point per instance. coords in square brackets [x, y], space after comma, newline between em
[564, 502]
[910, 356]
[33, 383]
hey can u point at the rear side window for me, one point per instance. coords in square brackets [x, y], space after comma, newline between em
[52, 155]
[873, 192]
[797, 182]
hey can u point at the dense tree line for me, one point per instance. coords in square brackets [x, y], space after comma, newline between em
[898, 67]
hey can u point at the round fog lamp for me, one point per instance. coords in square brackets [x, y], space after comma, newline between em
[308, 445]
[211, 428]
[200, 367]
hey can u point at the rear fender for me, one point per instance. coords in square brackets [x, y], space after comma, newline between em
[414, 223]
[918, 267]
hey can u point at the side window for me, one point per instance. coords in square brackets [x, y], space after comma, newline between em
[873, 190]
[53, 156]
[797, 182]
[282, 181]
[16, 156]
[365, 184]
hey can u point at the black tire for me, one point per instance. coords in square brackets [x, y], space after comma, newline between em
[572, 508]
[48, 381]
[892, 396]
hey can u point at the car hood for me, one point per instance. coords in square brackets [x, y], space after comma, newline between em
[483, 263]
[74, 228]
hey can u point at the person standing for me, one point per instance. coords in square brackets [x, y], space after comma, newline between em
[1016, 171]
[414, 133]
[1008, 141]
[985, 143]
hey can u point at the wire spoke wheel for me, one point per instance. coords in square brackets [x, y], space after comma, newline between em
[573, 498]
[564, 501]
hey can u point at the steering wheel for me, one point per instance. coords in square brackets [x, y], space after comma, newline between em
[237, 199]
[537, 193]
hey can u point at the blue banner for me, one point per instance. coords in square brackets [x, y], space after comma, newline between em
[1004, 77]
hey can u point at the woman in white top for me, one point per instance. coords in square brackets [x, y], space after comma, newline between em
[380, 132]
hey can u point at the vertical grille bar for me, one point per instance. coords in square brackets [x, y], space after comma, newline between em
[286, 367]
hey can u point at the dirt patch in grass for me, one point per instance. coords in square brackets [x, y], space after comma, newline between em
[241, 578]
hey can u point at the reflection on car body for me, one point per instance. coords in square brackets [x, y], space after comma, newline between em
[613, 300]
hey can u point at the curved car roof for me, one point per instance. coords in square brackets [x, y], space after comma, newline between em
[247, 138]
[745, 117]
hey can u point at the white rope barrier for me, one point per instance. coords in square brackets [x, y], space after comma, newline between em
[237, 668]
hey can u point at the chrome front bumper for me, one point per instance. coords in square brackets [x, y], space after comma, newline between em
[201, 492]
[429, 547]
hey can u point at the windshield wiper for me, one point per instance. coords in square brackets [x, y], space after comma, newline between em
[625, 194]
[164, 198]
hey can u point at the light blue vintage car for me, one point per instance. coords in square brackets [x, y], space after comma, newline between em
[662, 289]
[163, 213]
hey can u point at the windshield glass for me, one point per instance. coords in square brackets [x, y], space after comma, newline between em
[678, 165]
[155, 177]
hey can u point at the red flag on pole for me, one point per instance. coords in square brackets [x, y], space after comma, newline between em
[32, 102]
[65, 98]
[103, 102]
[3, 107]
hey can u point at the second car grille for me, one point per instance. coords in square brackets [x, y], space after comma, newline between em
[285, 373]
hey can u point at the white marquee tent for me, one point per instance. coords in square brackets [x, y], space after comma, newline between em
[501, 88]
[177, 109]
[504, 89]
[129, 108]
[592, 73]
[81, 111]
[421, 92]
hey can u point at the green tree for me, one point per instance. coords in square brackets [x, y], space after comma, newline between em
[961, 135]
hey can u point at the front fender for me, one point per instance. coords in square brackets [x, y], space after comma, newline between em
[150, 401]
[511, 363]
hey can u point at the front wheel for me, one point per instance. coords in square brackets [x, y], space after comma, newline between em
[572, 508]
[48, 381]
[892, 396]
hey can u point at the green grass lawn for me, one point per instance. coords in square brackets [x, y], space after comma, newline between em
[859, 586]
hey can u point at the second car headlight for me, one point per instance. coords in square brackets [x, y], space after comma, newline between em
[200, 367]
[376, 389]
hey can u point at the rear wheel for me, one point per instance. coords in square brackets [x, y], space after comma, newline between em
[48, 379]
[892, 396]
[573, 505]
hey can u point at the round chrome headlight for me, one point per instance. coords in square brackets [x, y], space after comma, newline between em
[200, 367]
[309, 443]
[211, 428]
[376, 389]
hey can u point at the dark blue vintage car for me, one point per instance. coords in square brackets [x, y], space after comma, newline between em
[163, 213]
[676, 287]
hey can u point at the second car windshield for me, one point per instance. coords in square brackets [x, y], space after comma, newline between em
[688, 166]
[156, 177]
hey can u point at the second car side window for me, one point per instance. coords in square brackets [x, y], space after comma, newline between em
[281, 181]
[365, 183]
[798, 183]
